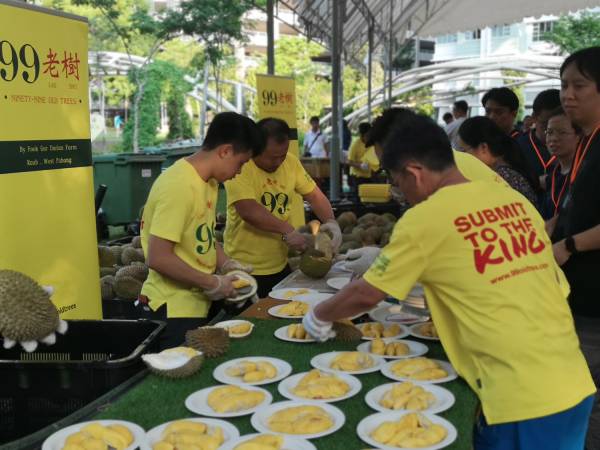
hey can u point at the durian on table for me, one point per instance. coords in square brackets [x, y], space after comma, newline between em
[27, 314]
[377, 330]
[407, 396]
[262, 442]
[177, 362]
[297, 331]
[428, 329]
[187, 434]
[317, 385]
[308, 419]
[316, 261]
[422, 369]
[97, 436]
[227, 399]
[252, 372]
[294, 309]
[412, 431]
[380, 347]
[211, 341]
[352, 361]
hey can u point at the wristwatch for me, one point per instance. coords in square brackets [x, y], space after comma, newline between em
[570, 245]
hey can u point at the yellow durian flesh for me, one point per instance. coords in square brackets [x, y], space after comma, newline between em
[411, 431]
[263, 442]
[300, 420]
[233, 398]
[319, 385]
[352, 361]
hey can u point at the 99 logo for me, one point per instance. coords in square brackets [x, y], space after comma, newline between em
[269, 98]
[12, 60]
[275, 202]
[205, 235]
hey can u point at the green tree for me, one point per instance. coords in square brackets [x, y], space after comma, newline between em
[574, 32]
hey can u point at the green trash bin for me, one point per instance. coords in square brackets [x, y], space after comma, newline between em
[128, 177]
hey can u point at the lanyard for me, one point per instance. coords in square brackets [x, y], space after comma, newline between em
[544, 164]
[556, 200]
[580, 155]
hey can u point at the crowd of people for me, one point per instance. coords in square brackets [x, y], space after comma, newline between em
[511, 294]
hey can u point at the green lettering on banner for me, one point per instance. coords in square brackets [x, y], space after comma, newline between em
[30, 156]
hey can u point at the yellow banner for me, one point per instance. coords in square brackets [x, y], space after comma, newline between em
[276, 97]
[48, 226]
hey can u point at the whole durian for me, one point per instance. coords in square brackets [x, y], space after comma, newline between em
[177, 362]
[345, 331]
[127, 288]
[117, 250]
[212, 341]
[106, 287]
[136, 270]
[104, 271]
[136, 242]
[131, 254]
[27, 314]
[106, 257]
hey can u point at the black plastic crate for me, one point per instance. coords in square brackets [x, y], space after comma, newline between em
[94, 356]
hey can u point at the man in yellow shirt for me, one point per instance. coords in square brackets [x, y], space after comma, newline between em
[496, 295]
[258, 230]
[362, 159]
[178, 227]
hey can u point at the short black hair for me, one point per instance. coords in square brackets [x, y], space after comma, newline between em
[313, 119]
[561, 112]
[233, 128]
[546, 100]
[364, 128]
[384, 124]
[417, 138]
[461, 105]
[447, 116]
[587, 61]
[274, 128]
[503, 96]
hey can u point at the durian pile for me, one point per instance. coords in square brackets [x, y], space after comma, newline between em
[376, 330]
[308, 419]
[185, 434]
[352, 361]
[420, 369]
[228, 399]
[317, 385]
[294, 309]
[262, 442]
[380, 347]
[122, 270]
[412, 431]
[97, 436]
[252, 372]
[407, 396]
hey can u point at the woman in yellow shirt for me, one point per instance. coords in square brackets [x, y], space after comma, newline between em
[362, 159]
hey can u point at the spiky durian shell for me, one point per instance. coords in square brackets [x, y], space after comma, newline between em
[188, 369]
[346, 332]
[211, 341]
[107, 291]
[127, 288]
[131, 255]
[106, 256]
[136, 270]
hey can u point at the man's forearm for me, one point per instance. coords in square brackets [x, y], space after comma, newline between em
[356, 297]
[320, 205]
[588, 240]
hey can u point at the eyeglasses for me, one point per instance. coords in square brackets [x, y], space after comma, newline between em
[558, 133]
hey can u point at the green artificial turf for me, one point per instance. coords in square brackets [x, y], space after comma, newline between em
[157, 400]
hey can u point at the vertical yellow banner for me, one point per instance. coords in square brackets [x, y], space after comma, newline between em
[47, 225]
[276, 97]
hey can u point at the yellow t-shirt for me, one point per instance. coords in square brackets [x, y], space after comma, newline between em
[181, 209]
[266, 252]
[355, 154]
[474, 169]
[496, 295]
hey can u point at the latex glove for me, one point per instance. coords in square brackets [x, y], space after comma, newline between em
[336, 234]
[223, 289]
[234, 264]
[364, 166]
[318, 329]
[360, 259]
[30, 346]
[295, 240]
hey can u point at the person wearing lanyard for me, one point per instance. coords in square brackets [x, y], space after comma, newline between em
[502, 105]
[533, 143]
[495, 293]
[575, 230]
[562, 137]
[178, 226]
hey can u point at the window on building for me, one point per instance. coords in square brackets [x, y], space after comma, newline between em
[501, 31]
[446, 39]
[472, 35]
[541, 28]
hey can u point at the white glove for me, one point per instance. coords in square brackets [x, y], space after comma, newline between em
[360, 259]
[30, 346]
[364, 166]
[233, 264]
[336, 233]
[318, 329]
[223, 289]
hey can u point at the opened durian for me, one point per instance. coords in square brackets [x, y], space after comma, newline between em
[212, 341]
[177, 362]
[316, 261]
[27, 314]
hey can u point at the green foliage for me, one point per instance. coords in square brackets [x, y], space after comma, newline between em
[574, 32]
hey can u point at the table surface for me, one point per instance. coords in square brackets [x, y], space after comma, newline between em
[157, 400]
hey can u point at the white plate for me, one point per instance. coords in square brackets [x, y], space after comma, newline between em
[56, 441]
[313, 298]
[444, 399]
[283, 370]
[289, 442]
[155, 434]
[233, 323]
[281, 333]
[366, 426]
[323, 362]
[285, 387]
[414, 331]
[382, 314]
[260, 418]
[274, 311]
[415, 348]
[386, 370]
[404, 331]
[198, 403]
[290, 293]
[338, 282]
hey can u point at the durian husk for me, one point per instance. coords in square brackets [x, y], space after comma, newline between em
[26, 311]
[346, 331]
[106, 287]
[188, 369]
[116, 251]
[106, 256]
[136, 242]
[211, 341]
[104, 271]
[127, 288]
[131, 255]
[136, 270]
